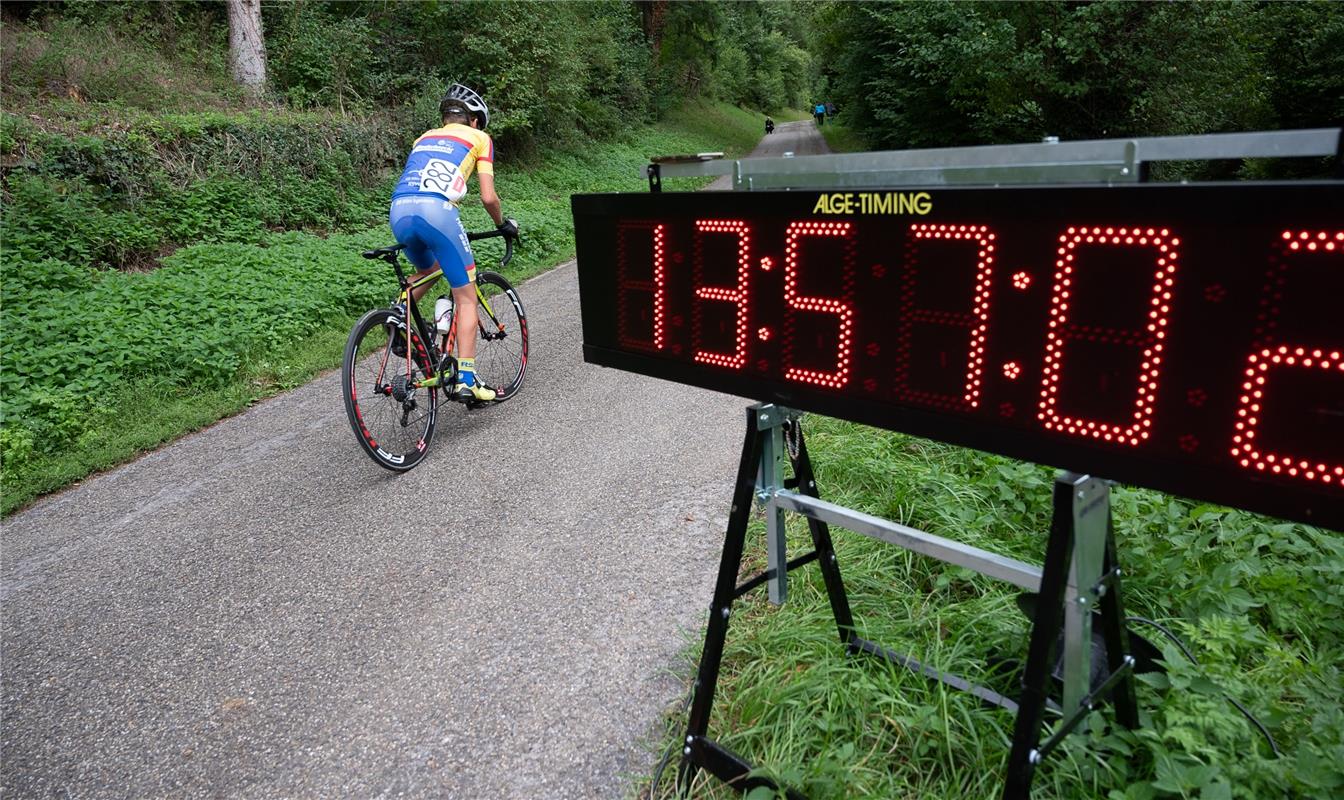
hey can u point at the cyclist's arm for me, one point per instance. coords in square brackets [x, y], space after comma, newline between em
[489, 198]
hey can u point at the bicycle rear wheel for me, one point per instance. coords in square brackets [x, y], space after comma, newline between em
[501, 347]
[393, 420]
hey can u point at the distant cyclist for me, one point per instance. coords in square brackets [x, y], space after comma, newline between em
[424, 215]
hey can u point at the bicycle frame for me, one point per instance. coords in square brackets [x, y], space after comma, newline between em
[391, 406]
[436, 354]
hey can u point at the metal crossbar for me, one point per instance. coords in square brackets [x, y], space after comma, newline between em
[1052, 162]
[993, 565]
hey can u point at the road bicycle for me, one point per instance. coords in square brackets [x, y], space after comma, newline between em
[396, 376]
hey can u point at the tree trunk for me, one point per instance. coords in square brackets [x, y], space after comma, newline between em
[247, 50]
[652, 13]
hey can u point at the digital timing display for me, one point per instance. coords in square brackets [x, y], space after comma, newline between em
[1184, 338]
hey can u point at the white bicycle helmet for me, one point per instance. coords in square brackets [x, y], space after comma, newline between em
[471, 100]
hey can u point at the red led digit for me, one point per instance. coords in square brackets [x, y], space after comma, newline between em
[842, 307]
[1268, 356]
[1149, 339]
[976, 322]
[647, 317]
[737, 294]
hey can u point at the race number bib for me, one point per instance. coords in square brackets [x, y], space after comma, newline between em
[441, 177]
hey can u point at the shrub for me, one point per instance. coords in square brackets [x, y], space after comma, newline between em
[135, 187]
[98, 52]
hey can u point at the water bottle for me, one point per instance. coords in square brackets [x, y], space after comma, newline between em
[443, 314]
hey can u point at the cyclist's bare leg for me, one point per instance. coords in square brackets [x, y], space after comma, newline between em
[464, 301]
[468, 387]
[419, 291]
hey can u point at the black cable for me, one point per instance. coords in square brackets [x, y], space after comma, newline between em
[1191, 656]
[667, 755]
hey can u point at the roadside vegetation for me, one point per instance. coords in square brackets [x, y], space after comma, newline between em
[172, 250]
[173, 253]
[914, 75]
[100, 364]
[1258, 603]
[841, 138]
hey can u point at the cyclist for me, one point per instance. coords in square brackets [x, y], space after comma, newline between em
[424, 216]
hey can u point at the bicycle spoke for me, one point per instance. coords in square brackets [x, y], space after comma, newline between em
[392, 419]
[501, 349]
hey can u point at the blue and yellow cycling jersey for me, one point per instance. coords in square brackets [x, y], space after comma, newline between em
[442, 160]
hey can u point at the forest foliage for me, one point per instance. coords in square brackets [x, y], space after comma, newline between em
[164, 238]
[138, 182]
[125, 145]
[935, 75]
[553, 73]
[123, 138]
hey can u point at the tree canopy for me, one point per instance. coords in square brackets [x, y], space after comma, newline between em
[552, 72]
[902, 74]
[928, 75]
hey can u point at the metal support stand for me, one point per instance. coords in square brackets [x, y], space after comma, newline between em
[1080, 574]
[769, 480]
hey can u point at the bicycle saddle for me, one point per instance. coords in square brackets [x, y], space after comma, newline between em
[382, 252]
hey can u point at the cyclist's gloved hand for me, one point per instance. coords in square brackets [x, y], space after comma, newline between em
[510, 228]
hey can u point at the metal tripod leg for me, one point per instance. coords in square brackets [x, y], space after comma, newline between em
[1080, 574]
[707, 677]
[1117, 639]
[1024, 756]
[1091, 517]
[770, 478]
[825, 550]
[760, 471]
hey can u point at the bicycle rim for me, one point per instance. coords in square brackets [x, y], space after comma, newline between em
[501, 346]
[392, 420]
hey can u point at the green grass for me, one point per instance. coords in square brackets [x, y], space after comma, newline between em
[737, 128]
[110, 59]
[790, 115]
[156, 412]
[1260, 603]
[100, 365]
[842, 139]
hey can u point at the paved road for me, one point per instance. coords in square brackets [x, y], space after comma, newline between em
[799, 138]
[260, 611]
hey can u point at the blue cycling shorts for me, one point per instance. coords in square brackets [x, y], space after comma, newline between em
[429, 227]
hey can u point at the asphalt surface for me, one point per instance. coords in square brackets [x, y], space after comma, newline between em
[799, 138]
[258, 610]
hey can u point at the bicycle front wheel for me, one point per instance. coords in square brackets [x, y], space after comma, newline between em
[501, 347]
[392, 418]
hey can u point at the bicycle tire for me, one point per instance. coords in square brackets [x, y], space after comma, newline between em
[395, 433]
[501, 346]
